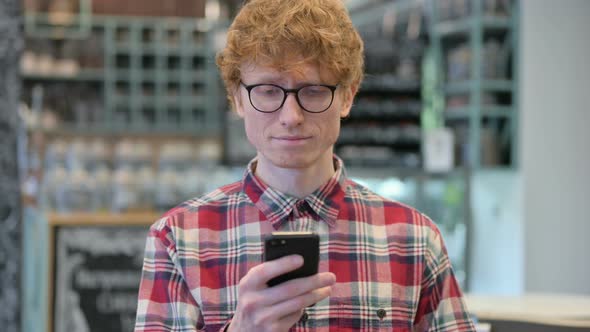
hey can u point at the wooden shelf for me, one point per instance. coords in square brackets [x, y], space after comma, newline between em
[547, 309]
[104, 218]
[464, 26]
[487, 85]
[465, 112]
[84, 75]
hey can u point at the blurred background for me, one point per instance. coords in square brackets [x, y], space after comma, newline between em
[111, 112]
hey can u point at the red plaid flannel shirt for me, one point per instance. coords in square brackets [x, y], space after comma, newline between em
[392, 269]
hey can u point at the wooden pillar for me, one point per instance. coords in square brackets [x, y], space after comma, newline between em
[11, 42]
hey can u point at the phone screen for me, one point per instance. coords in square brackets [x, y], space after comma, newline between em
[280, 244]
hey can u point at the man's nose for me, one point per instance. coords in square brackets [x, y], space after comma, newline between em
[291, 114]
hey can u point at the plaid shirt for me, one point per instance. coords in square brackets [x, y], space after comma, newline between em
[391, 266]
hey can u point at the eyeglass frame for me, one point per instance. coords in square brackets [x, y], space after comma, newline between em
[286, 94]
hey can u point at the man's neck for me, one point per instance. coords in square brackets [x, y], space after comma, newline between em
[297, 182]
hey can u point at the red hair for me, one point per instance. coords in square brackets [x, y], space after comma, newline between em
[287, 33]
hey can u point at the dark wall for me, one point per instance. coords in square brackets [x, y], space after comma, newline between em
[10, 225]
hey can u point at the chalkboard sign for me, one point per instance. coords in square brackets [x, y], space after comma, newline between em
[97, 270]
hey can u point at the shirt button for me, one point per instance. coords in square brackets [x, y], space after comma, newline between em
[304, 317]
[381, 313]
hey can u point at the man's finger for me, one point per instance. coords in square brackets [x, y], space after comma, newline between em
[300, 302]
[296, 287]
[259, 275]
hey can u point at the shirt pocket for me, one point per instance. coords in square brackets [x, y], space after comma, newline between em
[215, 317]
[372, 316]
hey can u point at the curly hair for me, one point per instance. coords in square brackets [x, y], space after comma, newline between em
[285, 34]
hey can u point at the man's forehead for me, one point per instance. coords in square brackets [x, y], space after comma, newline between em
[295, 69]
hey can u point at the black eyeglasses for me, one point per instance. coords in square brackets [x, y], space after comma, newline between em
[269, 98]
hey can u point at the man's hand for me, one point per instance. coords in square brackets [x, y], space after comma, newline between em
[276, 309]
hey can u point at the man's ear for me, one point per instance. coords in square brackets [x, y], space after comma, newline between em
[239, 107]
[348, 99]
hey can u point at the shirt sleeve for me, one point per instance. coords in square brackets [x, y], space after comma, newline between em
[165, 302]
[441, 305]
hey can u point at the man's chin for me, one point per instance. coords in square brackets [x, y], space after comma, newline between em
[291, 161]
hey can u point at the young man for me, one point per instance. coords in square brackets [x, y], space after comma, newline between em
[292, 69]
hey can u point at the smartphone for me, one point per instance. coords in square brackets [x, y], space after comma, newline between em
[306, 244]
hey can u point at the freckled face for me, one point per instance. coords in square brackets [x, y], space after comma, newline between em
[291, 137]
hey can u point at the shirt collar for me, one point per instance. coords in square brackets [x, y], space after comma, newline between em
[277, 206]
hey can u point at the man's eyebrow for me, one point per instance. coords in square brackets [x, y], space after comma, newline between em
[266, 78]
[278, 80]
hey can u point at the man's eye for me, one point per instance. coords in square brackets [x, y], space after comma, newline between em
[268, 90]
[315, 91]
